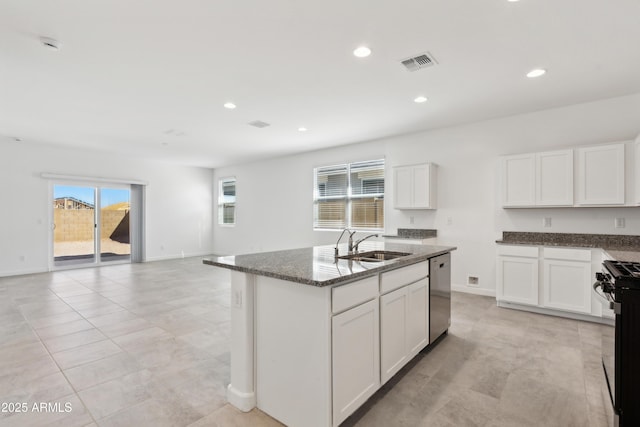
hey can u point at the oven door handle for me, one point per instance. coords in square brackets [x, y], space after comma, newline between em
[606, 297]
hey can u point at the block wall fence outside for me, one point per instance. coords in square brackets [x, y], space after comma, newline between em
[72, 225]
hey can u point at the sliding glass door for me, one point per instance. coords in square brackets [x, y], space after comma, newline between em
[74, 225]
[81, 231]
[115, 233]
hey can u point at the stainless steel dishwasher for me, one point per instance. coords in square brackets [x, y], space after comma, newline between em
[439, 296]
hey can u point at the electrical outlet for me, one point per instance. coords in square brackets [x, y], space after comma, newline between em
[411, 220]
[449, 220]
[22, 258]
[472, 280]
[546, 222]
[619, 223]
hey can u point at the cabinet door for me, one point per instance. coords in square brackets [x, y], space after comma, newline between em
[517, 280]
[601, 175]
[567, 285]
[403, 187]
[356, 358]
[518, 180]
[554, 178]
[421, 187]
[418, 317]
[393, 326]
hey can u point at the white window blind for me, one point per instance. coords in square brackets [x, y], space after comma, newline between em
[349, 196]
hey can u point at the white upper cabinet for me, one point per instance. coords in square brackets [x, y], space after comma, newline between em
[601, 175]
[415, 186]
[597, 175]
[519, 180]
[538, 179]
[554, 178]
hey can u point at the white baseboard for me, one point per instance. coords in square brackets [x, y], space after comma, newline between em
[474, 290]
[23, 272]
[241, 400]
[176, 256]
[559, 313]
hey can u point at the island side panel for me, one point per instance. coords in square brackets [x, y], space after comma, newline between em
[293, 352]
[241, 390]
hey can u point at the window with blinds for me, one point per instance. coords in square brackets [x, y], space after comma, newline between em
[227, 201]
[349, 196]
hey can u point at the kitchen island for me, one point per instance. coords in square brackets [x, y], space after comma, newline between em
[314, 336]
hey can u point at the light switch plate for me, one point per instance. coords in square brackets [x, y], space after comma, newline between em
[546, 222]
[237, 298]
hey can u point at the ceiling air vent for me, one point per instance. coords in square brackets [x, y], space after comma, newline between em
[259, 124]
[417, 62]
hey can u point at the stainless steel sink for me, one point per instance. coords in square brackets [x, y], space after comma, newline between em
[374, 256]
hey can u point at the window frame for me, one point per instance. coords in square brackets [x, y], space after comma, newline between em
[349, 197]
[222, 203]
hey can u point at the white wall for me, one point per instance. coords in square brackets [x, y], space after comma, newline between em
[178, 202]
[274, 202]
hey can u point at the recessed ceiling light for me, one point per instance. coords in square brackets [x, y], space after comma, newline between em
[50, 43]
[302, 129]
[362, 52]
[229, 105]
[536, 73]
[420, 99]
[512, 1]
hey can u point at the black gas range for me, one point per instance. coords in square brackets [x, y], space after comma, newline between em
[618, 287]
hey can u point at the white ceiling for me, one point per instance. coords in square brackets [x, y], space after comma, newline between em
[130, 71]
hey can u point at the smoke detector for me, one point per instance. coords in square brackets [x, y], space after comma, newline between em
[259, 124]
[415, 63]
[50, 43]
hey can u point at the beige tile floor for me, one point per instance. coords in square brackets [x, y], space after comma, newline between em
[147, 345]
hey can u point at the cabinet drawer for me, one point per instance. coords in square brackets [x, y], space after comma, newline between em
[568, 254]
[347, 296]
[395, 279]
[518, 250]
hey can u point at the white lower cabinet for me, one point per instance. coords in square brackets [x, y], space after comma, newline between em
[517, 274]
[418, 324]
[404, 326]
[356, 363]
[567, 279]
[555, 278]
[393, 337]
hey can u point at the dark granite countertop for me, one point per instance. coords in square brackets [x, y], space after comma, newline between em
[619, 247]
[413, 233]
[317, 266]
[624, 255]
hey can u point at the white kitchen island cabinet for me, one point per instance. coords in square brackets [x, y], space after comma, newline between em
[404, 326]
[305, 328]
[356, 363]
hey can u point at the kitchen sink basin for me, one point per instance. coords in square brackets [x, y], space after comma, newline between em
[374, 256]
